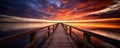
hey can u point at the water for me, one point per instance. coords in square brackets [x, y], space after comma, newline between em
[8, 29]
[111, 30]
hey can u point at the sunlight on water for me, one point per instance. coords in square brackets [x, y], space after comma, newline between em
[110, 30]
[16, 26]
[96, 25]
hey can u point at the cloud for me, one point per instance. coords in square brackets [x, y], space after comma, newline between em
[54, 2]
[57, 9]
[110, 8]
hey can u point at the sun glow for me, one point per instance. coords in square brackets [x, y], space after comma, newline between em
[93, 20]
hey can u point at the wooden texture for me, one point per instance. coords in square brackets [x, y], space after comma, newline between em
[58, 39]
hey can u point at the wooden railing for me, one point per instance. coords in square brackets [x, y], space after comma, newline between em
[68, 28]
[87, 37]
[32, 36]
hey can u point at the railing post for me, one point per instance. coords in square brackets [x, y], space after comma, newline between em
[48, 31]
[87, 37]
[33, 38]
[66, 27]
[53, 28]
[70, 30]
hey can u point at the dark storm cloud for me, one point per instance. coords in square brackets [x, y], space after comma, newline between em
[29, 8]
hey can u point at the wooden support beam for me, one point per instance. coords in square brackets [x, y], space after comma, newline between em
[49, 31]
[70, 30]
[87, 37]
[66, 27]
[53, 28]
[33, 38]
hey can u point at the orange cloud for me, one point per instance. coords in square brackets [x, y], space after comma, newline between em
[78, 10]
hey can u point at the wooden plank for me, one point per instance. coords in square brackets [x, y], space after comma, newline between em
[58, 39]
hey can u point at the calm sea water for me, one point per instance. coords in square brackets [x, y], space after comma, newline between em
[8, 29]
[111, 30]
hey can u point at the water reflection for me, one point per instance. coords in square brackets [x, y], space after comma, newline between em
[96, 25]
[106, 29]
[8, 29]
[17, 26]
[111, 30]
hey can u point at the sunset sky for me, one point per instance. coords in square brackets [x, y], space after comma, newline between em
[98, 17]
[60, 9]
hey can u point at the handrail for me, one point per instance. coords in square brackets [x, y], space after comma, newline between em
[33, 39]
[88, 34]
[31, 33]
[87, 45]
[33, 42]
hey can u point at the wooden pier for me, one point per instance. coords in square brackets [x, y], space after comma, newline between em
[60, 36]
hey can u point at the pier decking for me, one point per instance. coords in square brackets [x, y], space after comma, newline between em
[60, 35]
[58, 39]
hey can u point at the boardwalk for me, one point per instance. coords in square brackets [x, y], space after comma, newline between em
[59, 39]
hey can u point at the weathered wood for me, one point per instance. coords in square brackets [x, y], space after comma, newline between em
[87, 37]
[112, 41]
[33, 42]
[48, 31]
[70, 30]
[53, 27]
[85, 43]
[58, 39]
[33, 38]
[66, 27]
[16, 36]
